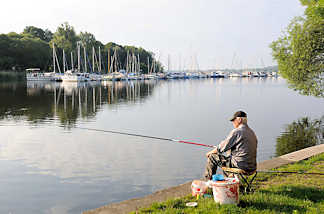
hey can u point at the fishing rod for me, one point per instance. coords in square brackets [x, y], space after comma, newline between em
[286, 172]
[187, 142]
[147, 136]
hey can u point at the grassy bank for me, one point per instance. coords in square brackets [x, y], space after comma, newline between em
[274, 193]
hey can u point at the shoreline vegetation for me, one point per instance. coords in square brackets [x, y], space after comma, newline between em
[33, 49]
[274, 193]
[299, 51]
[301, 133]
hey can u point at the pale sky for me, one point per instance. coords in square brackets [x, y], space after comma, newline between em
[214, 32]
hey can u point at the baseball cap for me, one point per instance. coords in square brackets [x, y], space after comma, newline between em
[238, 114]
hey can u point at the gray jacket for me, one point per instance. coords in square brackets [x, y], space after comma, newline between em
[242, 145]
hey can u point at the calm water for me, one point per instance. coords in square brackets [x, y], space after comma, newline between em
[49, 165]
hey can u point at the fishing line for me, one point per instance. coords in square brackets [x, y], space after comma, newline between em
[146, 136]
[187, 142]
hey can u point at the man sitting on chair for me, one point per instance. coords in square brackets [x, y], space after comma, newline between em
[241, 146]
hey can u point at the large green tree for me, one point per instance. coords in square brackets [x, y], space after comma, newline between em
[300, 51]
[65, 38]
[45, 35]
[89, 40]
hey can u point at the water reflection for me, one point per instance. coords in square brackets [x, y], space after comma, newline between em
[42, 101]
[300, 134]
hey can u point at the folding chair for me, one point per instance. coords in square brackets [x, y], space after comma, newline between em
[243, 175]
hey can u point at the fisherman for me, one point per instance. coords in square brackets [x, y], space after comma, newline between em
[238, 150]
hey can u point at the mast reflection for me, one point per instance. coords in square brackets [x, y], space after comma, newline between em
[68, 101]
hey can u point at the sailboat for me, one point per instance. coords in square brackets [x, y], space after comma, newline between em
[150, 70]
[130, 67]
[71, 75]
[114, 74]
[95, 76]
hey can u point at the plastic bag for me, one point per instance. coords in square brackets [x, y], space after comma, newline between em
[198, 187]
[218, 177]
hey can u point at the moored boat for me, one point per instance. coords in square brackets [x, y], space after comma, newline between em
[235, 74]
[70, 76]
[35, 74]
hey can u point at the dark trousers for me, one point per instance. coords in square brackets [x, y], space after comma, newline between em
[214, 161]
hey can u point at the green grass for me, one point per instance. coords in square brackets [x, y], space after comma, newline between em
[274, 193]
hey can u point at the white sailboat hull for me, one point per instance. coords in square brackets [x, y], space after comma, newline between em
[73, 78]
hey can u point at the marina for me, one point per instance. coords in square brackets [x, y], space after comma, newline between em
[131, 72]
[122, 76]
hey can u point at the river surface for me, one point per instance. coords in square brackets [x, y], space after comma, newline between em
[48, 164]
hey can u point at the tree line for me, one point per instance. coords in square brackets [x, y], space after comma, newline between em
[33, 48]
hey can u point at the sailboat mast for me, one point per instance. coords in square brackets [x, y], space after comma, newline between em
[139, 63]
[115, 54]
[127, 63]
[111, 64]
[99, 60]
[72, 66]
[79, 47]
[85, 60]
[148, 65]
[133, 61]
[154, 64]
[53, 57]
[179, 62]
[93, 59]
[168, 62]
[108, 60]
[56, 60]
[63, 61]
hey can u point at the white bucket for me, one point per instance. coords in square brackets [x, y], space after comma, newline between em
[227, 191]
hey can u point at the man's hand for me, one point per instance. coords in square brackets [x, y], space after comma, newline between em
[214, 151]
